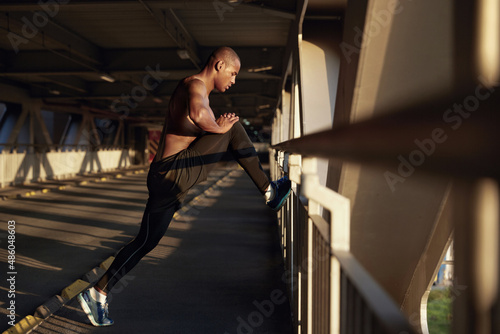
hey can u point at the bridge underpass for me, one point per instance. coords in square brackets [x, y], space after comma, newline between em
[360, 100]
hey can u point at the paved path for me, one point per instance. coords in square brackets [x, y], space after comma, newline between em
[217, 270]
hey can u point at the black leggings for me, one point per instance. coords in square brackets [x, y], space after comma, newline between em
[169, 180]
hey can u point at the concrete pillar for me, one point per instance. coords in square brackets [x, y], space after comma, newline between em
[319, 56]
[395, 53]
[477, 254]
[285, 115]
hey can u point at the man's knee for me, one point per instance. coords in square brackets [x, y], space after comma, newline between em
[239, 132]
[238, 127]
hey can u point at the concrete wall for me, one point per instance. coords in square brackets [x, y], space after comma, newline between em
[40, 141]
[395, 53]
[19, 168]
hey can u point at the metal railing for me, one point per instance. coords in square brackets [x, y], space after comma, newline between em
[41, 148]
[330, 290]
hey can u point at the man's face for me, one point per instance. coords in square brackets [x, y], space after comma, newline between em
[227, 76]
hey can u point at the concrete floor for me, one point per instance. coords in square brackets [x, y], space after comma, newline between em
[217, 270]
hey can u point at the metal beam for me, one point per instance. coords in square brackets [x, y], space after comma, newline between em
[268, 10]
[119, 133]
[129, 62]
[17, 127]
[41, 124]
[70, 82]
[52, 35]
[110, 91]
[172, 74]
[292, 44]
[173, 26]
[22, 5]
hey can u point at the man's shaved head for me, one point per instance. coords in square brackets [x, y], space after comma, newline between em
[226, 54]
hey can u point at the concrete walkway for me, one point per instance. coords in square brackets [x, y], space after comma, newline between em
[217, 270]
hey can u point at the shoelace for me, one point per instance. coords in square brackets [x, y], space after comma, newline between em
[281, 181]
[105, 309]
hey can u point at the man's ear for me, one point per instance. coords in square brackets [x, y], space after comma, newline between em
[219, 65]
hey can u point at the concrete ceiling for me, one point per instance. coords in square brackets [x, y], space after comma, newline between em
[59, 51]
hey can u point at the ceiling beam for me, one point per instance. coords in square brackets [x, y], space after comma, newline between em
[21, 5]
[169, 75]
[50, 35]
[43, 62]
[172, 25]
[110, 92]
[292, 44]
[271, 11]
[16, 5]
[72, 82]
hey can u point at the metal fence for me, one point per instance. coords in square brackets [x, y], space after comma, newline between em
[329, 289]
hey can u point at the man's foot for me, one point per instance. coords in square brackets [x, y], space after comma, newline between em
[282, 188]
[95, 311]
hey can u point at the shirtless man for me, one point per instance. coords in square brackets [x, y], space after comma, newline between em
[192, 141]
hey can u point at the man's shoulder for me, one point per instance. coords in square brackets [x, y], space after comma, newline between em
[194, 84]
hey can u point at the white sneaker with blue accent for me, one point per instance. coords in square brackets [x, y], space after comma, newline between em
[282, 189]
[95, 311]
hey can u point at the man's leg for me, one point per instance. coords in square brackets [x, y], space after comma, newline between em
[213, 147]
[153, 227]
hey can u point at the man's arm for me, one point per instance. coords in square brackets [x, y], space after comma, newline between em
[201, 113]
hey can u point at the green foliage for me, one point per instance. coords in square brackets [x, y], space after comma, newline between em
[439, 311]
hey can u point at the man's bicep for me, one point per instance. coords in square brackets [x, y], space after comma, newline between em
[198, 106]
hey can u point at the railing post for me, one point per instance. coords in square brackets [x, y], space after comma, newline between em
[310, 178]
[339, 208]
[2, 168]
[340, 240]
[294, 172]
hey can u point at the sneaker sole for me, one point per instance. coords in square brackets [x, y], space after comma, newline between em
[88, 312]
[283, 200]
[86, 309]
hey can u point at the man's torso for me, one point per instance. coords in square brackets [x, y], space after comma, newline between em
[180, 130]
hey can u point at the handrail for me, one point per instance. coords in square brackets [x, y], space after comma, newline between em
[380, 303]
[331, 280]
[430, 135]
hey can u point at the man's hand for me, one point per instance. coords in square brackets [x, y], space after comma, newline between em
[226, 121]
